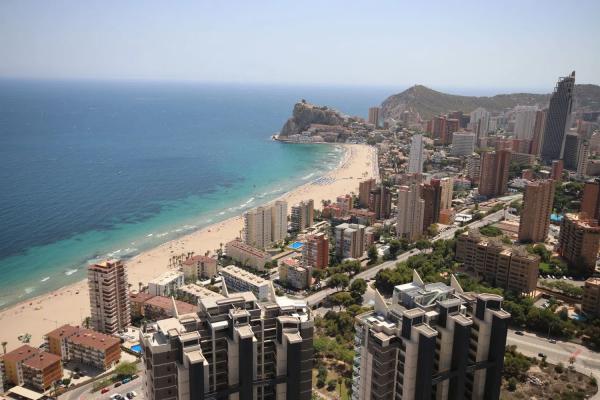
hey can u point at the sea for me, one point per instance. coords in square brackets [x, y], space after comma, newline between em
[91, 170]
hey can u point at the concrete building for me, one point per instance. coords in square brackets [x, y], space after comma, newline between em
[463, 143]
[166, 284]
[315, 252]
[538, 132]
[199, 267]
[537, 207]
[344, 203]
[193, 293]
[570, 151]
[558, 119]
[557, 170]
[234, 348]
[525, 122]
[508, 267]
[480, 124]
[433, 342]
[247, 255]
[294, 274]
[364, 189]
[266, 225]
[474, 167]
[591, 297]
[380, 202]
[447, 191]
[431, 196]
[578, 241]
[493, 180]
[349, 240]
[28, 366]
[590, 203]
[239, 280]
[582, 158]
[410, 213]
[279, 221]
[161, 307]
[374, 114]
[257, 227]
[109, 296]
[74, 343]
[415, 160]
[302, 215]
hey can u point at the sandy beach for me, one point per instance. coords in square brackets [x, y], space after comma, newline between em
[70, 304]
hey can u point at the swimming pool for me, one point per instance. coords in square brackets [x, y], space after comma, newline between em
[296, 245]
[137, 348]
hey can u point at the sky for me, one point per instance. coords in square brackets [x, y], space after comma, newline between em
[510, 45]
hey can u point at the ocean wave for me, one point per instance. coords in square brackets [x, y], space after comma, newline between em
[304, 178]
[222, 213]
[250, 200]
[70, 272]
[150, 235]
[45, 279]
[29, 290]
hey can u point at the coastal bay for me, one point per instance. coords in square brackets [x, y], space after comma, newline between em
[70, 304]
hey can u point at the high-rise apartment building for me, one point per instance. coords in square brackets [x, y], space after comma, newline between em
[349, 240]
[447, 190]
[380, 202]
[409, 222]
[538, 132]
[463, 143]
[524, 122]
[374, 116]
[474, 167]
[557, 170]
[364, 189]
[415, 160]
[558, 119]
[582, 158]
[571, 151]
[109, 296]
[508, 267]
[590, 203]
[480, 123]
[265, 225]
[431, 195]
[279, 221]
[235, 347]
[302, 215]
[433, 342]
[493, 180]
[578, 241]
[315, 252]
[590, 303]
[537, 207]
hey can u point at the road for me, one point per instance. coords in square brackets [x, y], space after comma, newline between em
[317, 298]
[85, 393]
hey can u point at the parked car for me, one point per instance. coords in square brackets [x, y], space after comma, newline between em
[131, 395]
[118, 384]
[134, 377]
[542, 355]
[126, 380]
[552, 341]
[519, 333]
[105, 390]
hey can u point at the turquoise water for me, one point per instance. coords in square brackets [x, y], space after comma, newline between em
[137, 348]
[296, 245]
[96, 170]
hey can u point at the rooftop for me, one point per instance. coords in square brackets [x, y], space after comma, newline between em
[199, 258]
[42, 360]
[200, 291]
[166, 303]
[95, 340]
[244, 275]
[20, 353]
[167, 277]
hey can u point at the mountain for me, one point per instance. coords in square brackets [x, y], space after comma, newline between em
[428, 102]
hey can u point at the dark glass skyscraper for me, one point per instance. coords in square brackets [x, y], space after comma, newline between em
[557, 119]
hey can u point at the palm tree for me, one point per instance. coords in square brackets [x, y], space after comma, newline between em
[140, 284]
[4, 346]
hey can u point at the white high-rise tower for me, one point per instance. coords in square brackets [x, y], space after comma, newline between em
[415, 161]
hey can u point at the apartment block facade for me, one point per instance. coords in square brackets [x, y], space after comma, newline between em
[433, 342]
[235, 347]
[537, 207]
[109, 296]
[302, 215]
[349, 240]
[315, 252]
[28, 366]
[85, 346]
[247, 255]
[239, 280]
[509, 267]
[579, 240]
[199, 267]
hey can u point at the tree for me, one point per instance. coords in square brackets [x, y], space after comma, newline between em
[350, 266]
[372, 254]
[331, 384]
[318, 274]
[338, 280]
[516, 364]
[512, 384]
[359, 286]
[341, 299]
[125, 369]
[423, 244]
[395, 247]
[432, 230]
[4, 344]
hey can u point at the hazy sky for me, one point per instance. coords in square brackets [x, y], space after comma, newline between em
[521, 44]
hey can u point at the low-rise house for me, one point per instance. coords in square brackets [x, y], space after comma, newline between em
[28, 366]
[247, 255]
[199, 267]
[166, 284]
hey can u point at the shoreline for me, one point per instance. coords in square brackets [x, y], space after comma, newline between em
[71, 302]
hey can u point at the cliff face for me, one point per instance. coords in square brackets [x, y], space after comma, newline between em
[306, 114]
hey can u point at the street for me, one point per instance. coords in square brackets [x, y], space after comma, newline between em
[85, 393]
